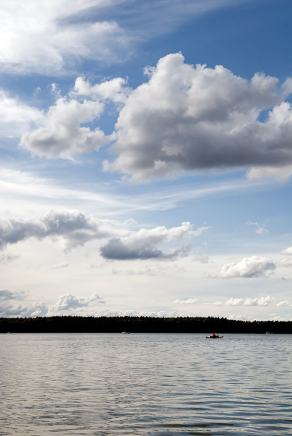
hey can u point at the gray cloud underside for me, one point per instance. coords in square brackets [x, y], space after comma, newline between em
[121, 243]
[144, 243]
[24, 311]
[184, 118]
[116, 249]
[6, 295]
[76, 228]
[193, 118]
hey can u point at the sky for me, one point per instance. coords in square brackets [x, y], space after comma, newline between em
[146, 158]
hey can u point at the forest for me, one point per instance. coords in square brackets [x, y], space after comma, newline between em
[131, 324]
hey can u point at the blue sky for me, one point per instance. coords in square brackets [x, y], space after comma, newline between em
[146, 158]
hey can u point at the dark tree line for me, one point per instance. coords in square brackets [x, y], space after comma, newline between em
[78, 324]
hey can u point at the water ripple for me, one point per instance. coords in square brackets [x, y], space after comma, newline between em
[110, 384]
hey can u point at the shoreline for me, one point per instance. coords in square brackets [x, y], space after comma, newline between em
[129, 324]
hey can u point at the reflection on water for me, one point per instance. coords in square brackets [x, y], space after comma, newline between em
[159, 384]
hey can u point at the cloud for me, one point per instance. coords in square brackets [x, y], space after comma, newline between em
[66, 129]
[16, 117]
[54, 37]
[248, 267]
[71, 302]
[122, 241]
[59, 36]
[143, 243]
[6, 295]
[141, 313]
[287, 251]
[65, 303]
[189, 117]
[115, 90]
[258, 301]
[283, 303]
[24, 311]
[186, 301]
[286, 258]
[116, 249]
[74, 227]
[184, 118]
[63, 133]
[281, 173]
[7, 258]
[42, 193]
[259, 229]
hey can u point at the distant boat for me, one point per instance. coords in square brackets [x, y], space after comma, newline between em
[214, 336]
[125, 333]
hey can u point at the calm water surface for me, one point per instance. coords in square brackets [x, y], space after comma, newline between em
[145, 384]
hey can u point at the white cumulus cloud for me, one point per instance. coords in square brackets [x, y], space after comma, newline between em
[63, 134]
[257, 301]
[71, 302]
[115, 90]
[183, 118]
[287, 251]
[189, 117]
[16, 117]
[248, 267]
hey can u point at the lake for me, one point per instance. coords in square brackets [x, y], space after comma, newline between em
[145, 384]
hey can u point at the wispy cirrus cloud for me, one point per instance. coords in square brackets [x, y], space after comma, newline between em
[58, 36]
[18, 187]
[258, 228]
[52, 37]
[262, 301]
